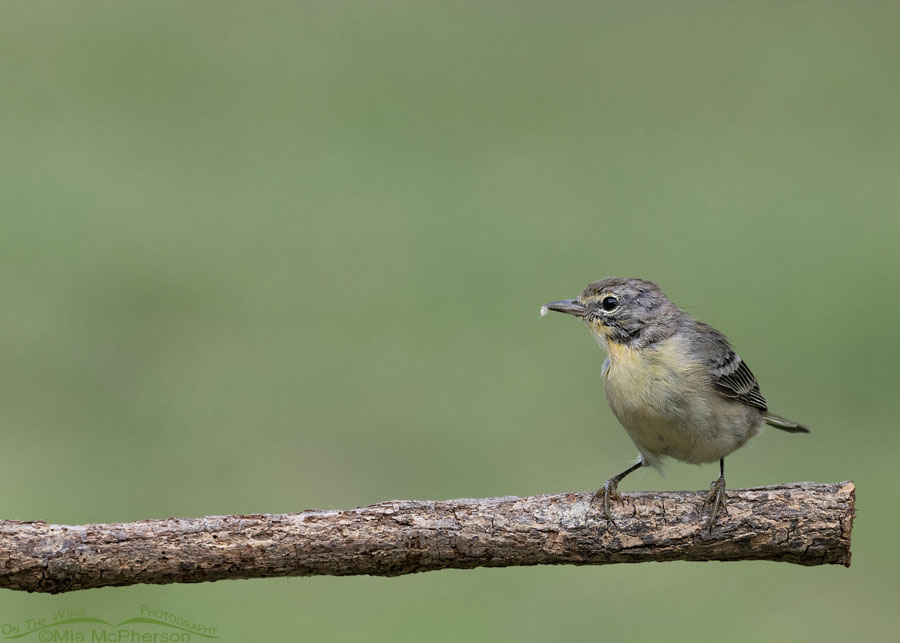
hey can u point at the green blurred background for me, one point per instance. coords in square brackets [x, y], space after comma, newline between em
[273, 256]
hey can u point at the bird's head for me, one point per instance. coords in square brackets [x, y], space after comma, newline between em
[633, 312]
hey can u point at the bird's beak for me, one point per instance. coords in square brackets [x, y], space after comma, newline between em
[568, 306]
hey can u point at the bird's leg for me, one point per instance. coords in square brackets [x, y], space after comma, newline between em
[716, 497]
[609, 491]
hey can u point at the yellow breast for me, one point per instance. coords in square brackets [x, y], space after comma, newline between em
[663, 397]
[638, 378]
[648, 385]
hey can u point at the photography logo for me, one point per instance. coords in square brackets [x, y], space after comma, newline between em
[77, 625]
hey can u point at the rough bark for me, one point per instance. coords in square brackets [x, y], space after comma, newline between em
[803, 523]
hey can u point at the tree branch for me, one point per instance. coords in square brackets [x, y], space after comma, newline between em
[804, 523]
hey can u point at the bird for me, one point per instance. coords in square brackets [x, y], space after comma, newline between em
[675, 384]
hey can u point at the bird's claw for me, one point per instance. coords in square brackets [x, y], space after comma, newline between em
[608, 493]
[716, 498]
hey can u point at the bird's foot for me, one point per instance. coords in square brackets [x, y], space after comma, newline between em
[716, 499]
[608, 493]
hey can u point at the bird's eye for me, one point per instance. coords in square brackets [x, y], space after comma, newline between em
[609, 304]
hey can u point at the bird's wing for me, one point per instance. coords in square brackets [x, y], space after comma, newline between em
[731, 376]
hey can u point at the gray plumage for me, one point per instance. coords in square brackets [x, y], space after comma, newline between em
[675, 384]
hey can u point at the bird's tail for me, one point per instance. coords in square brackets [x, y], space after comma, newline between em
[783, 423]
